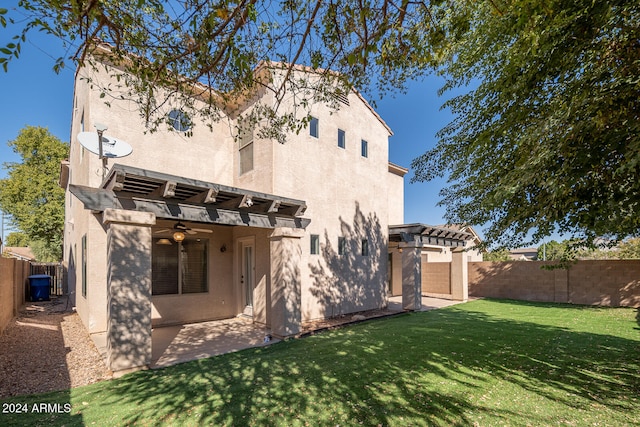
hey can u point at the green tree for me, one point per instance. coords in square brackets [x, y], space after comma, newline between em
[557, 251]
[193, 45]
[549, 139]
[497, 255]
[629, 249]
[17, 239]
[30, 193]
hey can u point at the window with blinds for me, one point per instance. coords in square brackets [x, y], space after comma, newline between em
[194, 266]
[179, 268]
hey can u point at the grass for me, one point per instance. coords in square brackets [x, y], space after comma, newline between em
[487, 362]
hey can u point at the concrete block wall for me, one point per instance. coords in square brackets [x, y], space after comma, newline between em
[610, 283]
[607, 283]
[14, 275]
[513, 280]
[436, 277]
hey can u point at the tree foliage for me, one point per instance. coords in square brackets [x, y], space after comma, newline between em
[17, 239]
[497, 255]
[550, 138]
[30, 193]
[174, 50]
[559, 251]
[629, 249]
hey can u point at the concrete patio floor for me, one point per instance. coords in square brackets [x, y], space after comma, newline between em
[183, 343]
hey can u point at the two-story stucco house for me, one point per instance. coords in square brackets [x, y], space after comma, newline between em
[211, 226]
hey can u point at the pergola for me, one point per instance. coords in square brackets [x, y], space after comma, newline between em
[173, 197]
[411, 239]
[128, 203]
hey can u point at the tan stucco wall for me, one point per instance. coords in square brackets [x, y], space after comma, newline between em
[129, 241]
[346, 194]
[206, 155]
[444, 254]
[91, 308]
[395, 199]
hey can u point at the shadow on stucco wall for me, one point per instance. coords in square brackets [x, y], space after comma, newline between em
[129, 295]
[285, 293]
[352, 281]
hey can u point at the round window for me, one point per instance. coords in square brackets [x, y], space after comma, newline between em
[179, 120]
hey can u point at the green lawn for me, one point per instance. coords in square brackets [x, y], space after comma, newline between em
[487, 362]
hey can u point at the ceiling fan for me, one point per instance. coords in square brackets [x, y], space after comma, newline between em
[182, 227]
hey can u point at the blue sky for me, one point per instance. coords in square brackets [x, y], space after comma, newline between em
[33, 94]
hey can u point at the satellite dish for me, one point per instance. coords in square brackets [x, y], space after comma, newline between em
[111, 147]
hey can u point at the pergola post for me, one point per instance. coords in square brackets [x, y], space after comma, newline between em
[286, 281]
[459, 275]
[411, 275]
[128, 289]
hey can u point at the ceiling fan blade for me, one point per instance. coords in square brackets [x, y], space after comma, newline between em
[202, 230]
[162, 231]
[190, 231]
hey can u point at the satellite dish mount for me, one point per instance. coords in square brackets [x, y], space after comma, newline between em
[100, 128]
[104, 147]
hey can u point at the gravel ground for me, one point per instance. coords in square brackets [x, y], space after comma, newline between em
[47, 348]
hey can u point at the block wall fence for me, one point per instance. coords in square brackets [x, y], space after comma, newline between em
[614, 283]
[14, 274]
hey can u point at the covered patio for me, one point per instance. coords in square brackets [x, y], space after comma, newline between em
[183, 343]
[133, 205]
[407, 243]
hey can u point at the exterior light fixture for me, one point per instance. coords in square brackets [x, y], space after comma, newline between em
[163, 242]
[178, 236]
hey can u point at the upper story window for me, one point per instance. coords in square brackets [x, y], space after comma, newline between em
[313, 127]
[315, 244]
[179, 120]
[341, 138]
[365, 247]
[364, 148]
[342, 245]
[245, 139]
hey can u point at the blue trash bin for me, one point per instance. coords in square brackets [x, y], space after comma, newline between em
[39, 286]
